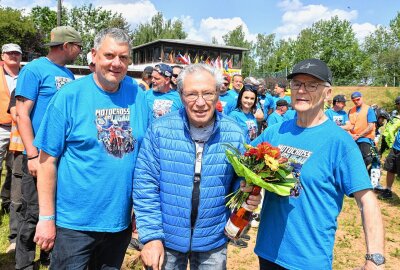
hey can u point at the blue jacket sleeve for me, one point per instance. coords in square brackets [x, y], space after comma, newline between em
[146, 190]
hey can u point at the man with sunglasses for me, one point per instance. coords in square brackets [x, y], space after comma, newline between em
[175, 73]
[362, 119]
[299, 232]
[161, 99]
[37, 83]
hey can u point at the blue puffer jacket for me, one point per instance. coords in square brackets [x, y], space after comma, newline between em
[163, 184]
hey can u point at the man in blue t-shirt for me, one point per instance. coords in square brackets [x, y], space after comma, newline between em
[161, 99]
[38, 81]
[299, 233]
[228, 102]
[278, 115]
[89, 139]
[337, 114]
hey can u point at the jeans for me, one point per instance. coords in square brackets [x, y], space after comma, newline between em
[77, 250]
[210, 260]
[25, 249]
[16, 200]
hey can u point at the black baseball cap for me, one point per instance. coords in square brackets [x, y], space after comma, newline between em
[339, 98]
[282, 102]
[314, 67]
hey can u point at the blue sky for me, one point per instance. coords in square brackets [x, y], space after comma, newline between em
[205, 19]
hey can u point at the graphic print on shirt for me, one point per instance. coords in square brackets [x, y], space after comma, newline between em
[61, 81]
[114, 131]
[296, 158]
[338, 119]
[252, 129]
[161, 107]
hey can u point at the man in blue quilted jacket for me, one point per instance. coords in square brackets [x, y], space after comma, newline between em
[182, 177]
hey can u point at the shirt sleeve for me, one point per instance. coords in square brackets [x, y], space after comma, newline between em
[371, 117]
[27, 85]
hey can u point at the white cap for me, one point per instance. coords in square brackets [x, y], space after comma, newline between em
[11, 47]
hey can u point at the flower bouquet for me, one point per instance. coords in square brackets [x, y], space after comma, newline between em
[262, 166]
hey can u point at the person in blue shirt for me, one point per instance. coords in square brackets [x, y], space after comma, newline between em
[337, 114]
[37, 83]
[237, 85]
[244, 112]
[362, 120]
[278, 115]
[299, 232]
[280, 92]
[161, 99]
[228, 102]
[89, 140]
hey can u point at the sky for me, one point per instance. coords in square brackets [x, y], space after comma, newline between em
[205, 19]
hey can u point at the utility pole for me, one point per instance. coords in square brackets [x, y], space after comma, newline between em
[59, 8]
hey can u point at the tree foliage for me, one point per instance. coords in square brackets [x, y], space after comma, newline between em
[158, 28]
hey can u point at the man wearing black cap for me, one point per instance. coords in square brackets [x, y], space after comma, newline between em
[277, 116]
[161, 99]
[147, 76]
[337, 114]
[299, 233]
[362, 120]
[38, 81]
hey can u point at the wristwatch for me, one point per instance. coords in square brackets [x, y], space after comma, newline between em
[376, 258]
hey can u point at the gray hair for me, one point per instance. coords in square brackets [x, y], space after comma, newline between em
[117, 34]
[194, 68]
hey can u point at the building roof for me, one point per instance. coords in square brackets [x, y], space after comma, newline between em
[191, 42]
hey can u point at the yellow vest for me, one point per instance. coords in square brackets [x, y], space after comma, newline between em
[360, 121]
[15, 139]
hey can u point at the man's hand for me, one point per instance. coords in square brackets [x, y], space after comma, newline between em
[152, 254]
[32, 166]
[45, 234]
[370, 266]
[253, 200]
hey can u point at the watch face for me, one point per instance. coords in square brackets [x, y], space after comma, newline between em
[378, 259]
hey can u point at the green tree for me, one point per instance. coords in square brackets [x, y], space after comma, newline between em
[264, 49]
[20, 29]
[237, 38]
[158, 28]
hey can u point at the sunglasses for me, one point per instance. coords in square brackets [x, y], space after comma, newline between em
[175, 75]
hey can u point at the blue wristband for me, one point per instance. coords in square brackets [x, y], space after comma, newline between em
[52, 217]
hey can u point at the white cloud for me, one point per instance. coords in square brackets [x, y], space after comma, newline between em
[297, 17]
[214, 27]
[363, 30]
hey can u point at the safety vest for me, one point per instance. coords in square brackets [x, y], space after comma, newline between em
[359, 121]
[5, 117]
[15, 139]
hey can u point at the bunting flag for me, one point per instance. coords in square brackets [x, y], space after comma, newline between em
[230, 64]
[207, 61]
[187, 58]
[182, 59]
[218, 62]
[171, 57]
[226, 65]
[212, 62]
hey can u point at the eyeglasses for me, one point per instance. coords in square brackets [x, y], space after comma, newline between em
[308, 86]
[175, 75]
[79, 45]
[195, 96]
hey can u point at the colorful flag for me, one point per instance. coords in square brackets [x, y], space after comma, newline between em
[182, 59]
[208, 61]
[196, 59]
[171, 57]
[218, 62]
[187, 58]
[226, 65]
[212, 62]
[230, 64]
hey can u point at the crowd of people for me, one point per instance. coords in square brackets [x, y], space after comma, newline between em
[83, 154]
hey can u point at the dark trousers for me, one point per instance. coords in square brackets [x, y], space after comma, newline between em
[77, 250]
[366, 152]
[6, 189]
[16, 200]
[29, 212]
[268, 265]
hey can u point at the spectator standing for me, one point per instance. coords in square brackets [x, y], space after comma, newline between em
[237, 85]
[362, 119]
[228, 102]
[175, 73]
[179, 193]
[337, 113]
[147, 76]
[278, 115]
[161, 99]
[85, 207]
[38, 81]
[299, 233]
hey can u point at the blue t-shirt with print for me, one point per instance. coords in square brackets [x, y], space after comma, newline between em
[275, 118]
[38, 81]
[247, 122]
[96, 137]
[228, 103]
[162, 103]
[371, 118]
[299, 233]
[234, 94]
[339, 117]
